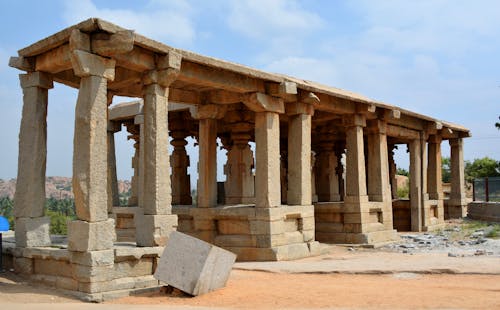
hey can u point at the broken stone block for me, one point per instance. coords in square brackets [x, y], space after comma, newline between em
[32, 232]
[194, 266]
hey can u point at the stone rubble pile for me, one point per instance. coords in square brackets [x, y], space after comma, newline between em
[443, 241]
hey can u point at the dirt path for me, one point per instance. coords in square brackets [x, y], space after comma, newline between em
[261, 290]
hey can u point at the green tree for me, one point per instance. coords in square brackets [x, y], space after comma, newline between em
[481, 167]
[402, 171]
[446, 169]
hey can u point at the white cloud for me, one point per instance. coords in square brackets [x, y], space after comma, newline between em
[270, 18]
[166, 21]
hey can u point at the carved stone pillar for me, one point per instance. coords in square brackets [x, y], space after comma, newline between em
[327, 181]
[239, 185]
[32, 228]
[181, 183]
[339, 151]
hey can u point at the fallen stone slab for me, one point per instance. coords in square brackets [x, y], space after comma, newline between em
[194, 266]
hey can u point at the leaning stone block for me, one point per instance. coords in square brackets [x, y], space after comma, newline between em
[84, 236]
[32, 232]
[194, 266]
[153, 230]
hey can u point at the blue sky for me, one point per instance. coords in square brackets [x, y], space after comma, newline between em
[439, 58]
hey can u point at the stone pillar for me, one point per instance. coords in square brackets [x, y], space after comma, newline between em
[378, 168]
[267, 171]
[207, 165]
[457, 202]
[181, 183]
[207, 114]
[32, 228]
[356, 174]
[339, 151]
[299, 159]
[157, 220]
[314, 195]
[392, 172]
[283, 171]
[434, 172]
[93, 231]
[327, 181]
[134, 129]
[113, 194]
[239, 185]
[416, 204]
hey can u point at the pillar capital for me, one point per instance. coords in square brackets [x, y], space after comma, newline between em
[36, 79]
[456, 142]
[87, 64]
[206, 111]
[294, 108]
[436, 139]
[259, 102]
[168, 68]
[377, 126]
[353, 120]
[114, 126]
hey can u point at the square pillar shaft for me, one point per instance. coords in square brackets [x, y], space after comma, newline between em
[113, 198]
[29, 199]
[156, 192]
[457, 195]
[355, 174]
[207, 165]
[90, 158]
[299, 160]
[327, 180]
[416, 204]
[434, 173]
[267, 164]
[378, 168]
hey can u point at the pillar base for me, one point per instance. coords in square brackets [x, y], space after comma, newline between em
[254, 234]
[153, 230]
[455, 208]
[32, 232]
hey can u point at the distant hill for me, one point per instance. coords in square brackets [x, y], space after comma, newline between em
[55, 187]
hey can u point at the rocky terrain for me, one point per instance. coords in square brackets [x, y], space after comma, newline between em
[55, 187]
[460, 238]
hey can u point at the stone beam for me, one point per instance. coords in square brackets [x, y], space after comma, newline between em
[117, 43]
[401, 132]
[285, 90]
[259, 102]
[193, 73]
[138, 59]
[221, 96]
[22, 63]
[54, 61]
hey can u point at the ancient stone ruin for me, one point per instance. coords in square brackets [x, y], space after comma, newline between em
[276, 203]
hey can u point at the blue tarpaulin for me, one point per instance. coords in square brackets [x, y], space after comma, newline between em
[4, 224]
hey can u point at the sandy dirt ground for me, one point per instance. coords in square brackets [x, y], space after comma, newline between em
[293, 285]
